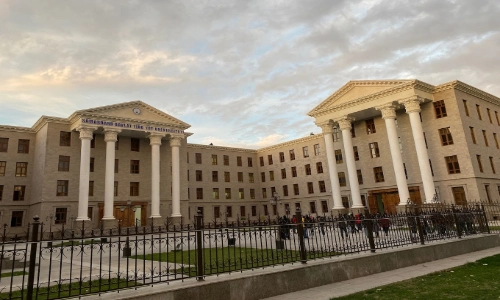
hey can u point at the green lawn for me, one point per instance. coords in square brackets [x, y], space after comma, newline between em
[477, 280]
[18, 273]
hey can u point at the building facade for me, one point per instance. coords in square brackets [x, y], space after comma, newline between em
[382, 143]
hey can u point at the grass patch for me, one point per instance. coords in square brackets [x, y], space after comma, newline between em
[18, 273]
[477, 280]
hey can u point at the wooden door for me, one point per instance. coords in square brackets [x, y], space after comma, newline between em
[391, 200]
[372, 204]
[125, 217]
[459, 195]
[415, 196]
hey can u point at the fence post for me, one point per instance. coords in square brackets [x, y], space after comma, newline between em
[369, 229]
[300, 233]
[32, 265]
[485, 218]
[419, 225]
[199, 246]
[457, 225]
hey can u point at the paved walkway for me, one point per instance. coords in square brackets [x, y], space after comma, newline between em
[368, 282]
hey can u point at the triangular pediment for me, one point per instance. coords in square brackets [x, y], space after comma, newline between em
[134, 110]
[354, 90]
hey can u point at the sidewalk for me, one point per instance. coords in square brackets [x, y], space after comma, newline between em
[368, 282]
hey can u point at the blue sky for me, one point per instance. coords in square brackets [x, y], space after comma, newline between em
[242, 73]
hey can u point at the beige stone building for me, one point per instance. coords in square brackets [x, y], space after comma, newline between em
[381, 141]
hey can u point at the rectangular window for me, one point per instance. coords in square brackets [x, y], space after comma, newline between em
[406, 173]
[425, 140]
[21, 169]
[498, 119]
[91, 166]
[241, 193]
[250, 178]
[134, 144]
[478, 109]
[492, 165]
[3, 165]
[440, 109]
[452, 164]
[345, 201]
[305, 151]
[430, 165]
[240, 176]
[370, 126]
[466, 108]
[199, 175]
[275, 210]
[446, 138]
[485, 137]
[92, 141]
[282, 156]
[336, 134]
[242, 211]
[264, 193]
[116, 165]
[63, 165]
[261, 160]
[310, 188]
[19, 192]
[342, 180]
[273, 190]
[489, 115]
[239, 162]
[214, 159]
[294, 171]
[296, 189]
[324, 206]
[319, 167]
[61, 215]
[316, 149]
[479, 163]
[134, 166]
[338, 156]
[252, 193]
[91, 188]
[285, 191]
[374, 150]
[308, 169]
[271, 175]
[215, 176]
[62, 188]
[360, 176]
[117, 143]
[134, 189]
[496, 140]
[250, 162]
[23, 146]
[266, 211]
[379, 174]
[227, 177]
[487, 190]
[65, 139]
[215, 193]
[17, 219]
[283, 173]
[226, 160]
[292, 154]
[4, 144]
[216, 212]
[229, 211]
[198, 158]
[353, 132]
[472, 135]
[322, 186]
[263, 176]
[116, 188]
[356, 154]
[227, 191]
[1, 192]
[270, 159]
[199, 193]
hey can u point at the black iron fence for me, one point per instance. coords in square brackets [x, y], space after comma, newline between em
[68, 263]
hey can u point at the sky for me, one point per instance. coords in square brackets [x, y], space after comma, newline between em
[242, 73]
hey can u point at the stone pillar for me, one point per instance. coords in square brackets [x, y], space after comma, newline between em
[155, 142]
[175, 143]
[345, 126]
[412, 109]
[327, 129]
[110, 137]
[389, 116]
[83, 195]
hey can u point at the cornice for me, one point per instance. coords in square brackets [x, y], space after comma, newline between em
[468, 89]
[75, 117]
[198, 146]
[46, 119]
[291, 143]
[16, 129]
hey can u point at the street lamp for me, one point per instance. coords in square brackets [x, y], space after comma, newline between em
[127, 251]
[275, 199]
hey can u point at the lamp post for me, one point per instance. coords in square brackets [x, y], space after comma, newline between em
[127, 251]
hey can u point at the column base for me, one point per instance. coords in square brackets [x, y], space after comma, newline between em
[357, 210]
[156, 221]
[402, 209]
[109, 223]
[339, 211]
[81, 224]
[175, 220]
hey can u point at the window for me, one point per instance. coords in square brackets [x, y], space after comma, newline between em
[264, 193]
[489, 115]
[199, 193]
[271, 175]
[283, 173]
[216, 212]
[198, 158]
[241, 193]
[478, 109]
[473, 136]
[270, 159]
[250, 178]
[498, 119]
[342, 180]
[63, 165]
[92, 141]
[353, 132]
[60, 216]
[360, 176]
[16, 219]
[21, 169]
[252, 193]
[379, 174]
[263, 176]
[266, 211]
[425, 140]
[227, 177]
[239, 162]
[4, 144]
[319, 167]
[1, 192]
[440, 109]
[374, 150]
[492, 165]
[23, 146]
[134, 189]
[336, 134]
[214, 159]
[292, 155]
[91, 188]
[316, 149]
[310, 188]
[466, 108]
[134, 144]
[215, 193]
[282, 156]
[3, 165]
[229, 211]
[287, 208]
[452, 164]
[134, 167]
[116, 188]
[19, 192]
[487, 190]
[226, 160]
[227, 191]
[65, 139]
[345, 202]
[62, 188]
[370, 126]
[356, 154]
[479, 163]
[215, 176]
[485, 137]
[308, 169]
[250, 162]
[199, 175]
[261, 160]
[338, 156]
[305, 151]
[273, 190]
[296, 189]
[285, 190]
[242, 211]
[446, 138]
[116, 165]
[91, 166]
[240, 176]
[275, 210]
[496, 140]
[324, 206]
[322, 186]
[117, 144]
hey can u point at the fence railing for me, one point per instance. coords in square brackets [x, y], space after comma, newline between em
[68, 263]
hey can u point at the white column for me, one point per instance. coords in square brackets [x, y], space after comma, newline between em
[332, 165]
[345, 126]
[389, 115]
[155, 142]
[175, 143]
[110, 137]
[412, 109]
[83, 195]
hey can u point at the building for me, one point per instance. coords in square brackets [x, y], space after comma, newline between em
[381, 141]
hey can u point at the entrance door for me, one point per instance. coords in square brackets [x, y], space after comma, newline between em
[459, 195]
[126, 217]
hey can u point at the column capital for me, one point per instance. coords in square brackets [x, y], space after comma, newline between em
[412, 104]
[388, 110]
[345, 122]
[111, 134]
[155, 138]
[86, 133]
[326, 127]
[175, 141]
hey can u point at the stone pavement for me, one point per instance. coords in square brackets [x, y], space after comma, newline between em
[368, 282]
